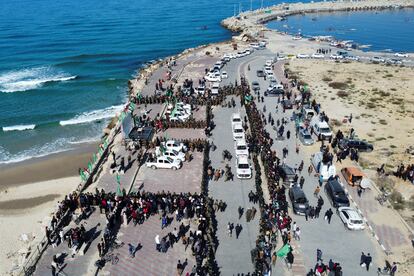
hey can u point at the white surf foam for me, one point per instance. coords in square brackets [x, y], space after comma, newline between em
[32, 78]
[18, 127]
[95, 115]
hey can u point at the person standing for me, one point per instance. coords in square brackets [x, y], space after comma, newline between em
[180, 268]
[317, 190]
[368, 260]
[318, 255]
[328, 215]
[362, 259]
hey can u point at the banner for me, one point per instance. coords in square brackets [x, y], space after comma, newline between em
[283, 251]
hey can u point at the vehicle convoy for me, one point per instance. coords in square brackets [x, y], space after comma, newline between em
[305, 137]
[321, 128]
[164, 162]
[299, 201]
[356, 144]
[235, 119]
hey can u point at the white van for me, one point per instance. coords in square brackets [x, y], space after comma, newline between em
[243, 168]
[321, 128]
[325, 170]
[215, 88]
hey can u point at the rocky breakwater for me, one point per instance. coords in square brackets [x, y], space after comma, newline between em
[251, 23]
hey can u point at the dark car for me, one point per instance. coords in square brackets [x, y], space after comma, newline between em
[274, 92]
[260, 73]
[356, 144]
[336, 193]
[299, 201]
[286, 173]
[287, 104]
[255, 86]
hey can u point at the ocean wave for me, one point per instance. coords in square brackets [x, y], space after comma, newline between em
[32, 78]
[91, 116]
[57, 146]
[18, 127]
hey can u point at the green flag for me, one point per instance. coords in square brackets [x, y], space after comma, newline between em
[174, 111]
[162, 149]
[118, 190]
[169, 92]
[90, 167]
[94, 158]
[82, 175]
[131, 107]
[305, 88]
[248, 98]
[139, 96]
[118, 179]
[283, 251]
[268, 11]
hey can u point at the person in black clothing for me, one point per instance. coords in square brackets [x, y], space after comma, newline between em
[368, 260]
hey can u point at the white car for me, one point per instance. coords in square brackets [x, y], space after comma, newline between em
[335, 56]
[177, 108]
[235, 119]
[401, 55]
[164, 162]
[355, 58]
[302, 56]
[170, 153]
[241, 148]
[268, 68]
[255, 45]
[243, 168]
[377, 59]
[318, 56]
[282, 57]
[269, 62]
[224, 75]
[179, 117]
[185, 106]
[238, 131]
[174, 145]
[215, 88]
[351, 218]
[212, 78]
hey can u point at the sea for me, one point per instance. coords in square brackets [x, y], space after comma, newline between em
[387, 30]
[64, 65]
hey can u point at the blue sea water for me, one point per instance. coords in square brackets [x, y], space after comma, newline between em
[64, 65]
[388, 30]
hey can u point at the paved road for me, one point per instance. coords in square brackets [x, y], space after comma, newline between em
[333, 239]
[233, 255]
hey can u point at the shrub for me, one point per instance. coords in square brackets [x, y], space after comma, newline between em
[327, 79]
[338, 85]
[342, 94]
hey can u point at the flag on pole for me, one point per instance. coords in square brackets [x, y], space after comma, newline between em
[139, 96]
[131, 107]
[90, 167]
[118, 178]
[162, 149]
[83, 175]
[283, 251]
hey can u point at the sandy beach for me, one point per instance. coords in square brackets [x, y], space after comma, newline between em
[29, 192]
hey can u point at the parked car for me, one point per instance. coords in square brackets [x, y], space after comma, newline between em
[241, 148]
[336, 56]
[318, 56]
[235, 119]
[215, 88]
[305, 137]
[302, 56]
[173, 154]
[377, 59]
[351, 218]
[287, 104]
[354, 58]
[243, 168]
[212, 78]
[299, 201]
[401, 55]
[269, 62]
[336, 193]
[260, 73]
[238, 131]
[286, 173]
[164, 162]
[178, 116]
[356, 144]
[255, 86]
[174, 145]
[224, 75]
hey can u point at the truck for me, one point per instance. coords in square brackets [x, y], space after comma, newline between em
[164, 162]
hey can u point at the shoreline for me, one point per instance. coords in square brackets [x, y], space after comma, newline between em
[49, 167]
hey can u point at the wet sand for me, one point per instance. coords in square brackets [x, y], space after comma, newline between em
[53, 166]
[26, 203]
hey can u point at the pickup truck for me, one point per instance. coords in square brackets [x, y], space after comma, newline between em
[164, 162]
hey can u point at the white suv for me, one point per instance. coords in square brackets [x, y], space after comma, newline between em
[241, 148]
[351, 218]
[235, 119]
[238, 132]
[243, 169]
